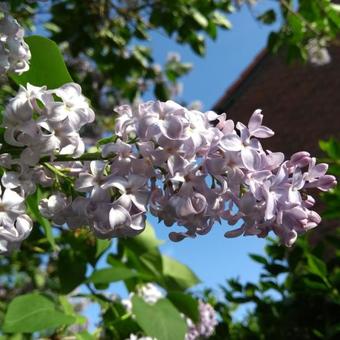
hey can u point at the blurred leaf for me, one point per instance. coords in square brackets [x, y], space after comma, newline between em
[161, 91]
[177, 275]
[274, 42]
[199, 18]
[268, 17]
[108, 275]
[258, 258]
[102, 246]
[32, 203]
[275, 269]
[52, 27]
[47, 65]
[235, 285]
[33, 312]
[186, 304]
[84, 335]
[144, 242]
[220, 20]
[106, 140]
[317, 267]
[331, 147]
[71, 270]
[161, 320]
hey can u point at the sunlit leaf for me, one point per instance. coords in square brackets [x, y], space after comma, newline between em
[33, 312]
[161, 320]
[47, 66]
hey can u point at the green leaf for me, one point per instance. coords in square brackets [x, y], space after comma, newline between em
[71, 270]
[274, 42]
[334, 14]
[220, 20]
[144, 242]
[177, 275]
[52, 27]
[152, 263]
[106, 140]
[317, 267]
[68, 308]
[32, 203]
[47, 66]
[161, 91]
[102, 246]
[199, 18]
[186, 304]
[33, 312]
[235, 285]
[258, 258]
[331, 147]
[275, 268]
[197, 43]
[268, 17]
[108, 275]
[161, 320]
[84, 335]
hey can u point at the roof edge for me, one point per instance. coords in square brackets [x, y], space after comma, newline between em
[237, 86]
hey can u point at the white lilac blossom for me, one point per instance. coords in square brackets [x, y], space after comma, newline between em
[149, 292]
[136, 337]
[15, 225]
[47, 122]
[14, 52]
[318, 53]
[40, 123]
[206, 325]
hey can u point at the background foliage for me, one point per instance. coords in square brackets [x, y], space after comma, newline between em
[56, 270]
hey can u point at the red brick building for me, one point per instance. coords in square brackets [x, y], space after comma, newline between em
[301, 103]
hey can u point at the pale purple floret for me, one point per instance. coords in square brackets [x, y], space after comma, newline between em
[47, 122]
[206, 325]
[15, 225]
[172, 162]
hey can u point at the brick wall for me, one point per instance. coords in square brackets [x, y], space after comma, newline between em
[301, 103]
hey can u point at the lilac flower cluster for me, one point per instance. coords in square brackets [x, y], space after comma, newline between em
[186, 167]
[38, 122]
[14, 52]
[206, 326]
[149, 292]
[47, 122]
[193, 174]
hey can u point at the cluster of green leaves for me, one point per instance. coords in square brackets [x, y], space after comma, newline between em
[303, 21]
[37, 287]
[332, 199]
[110, 55]
[297, 295]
